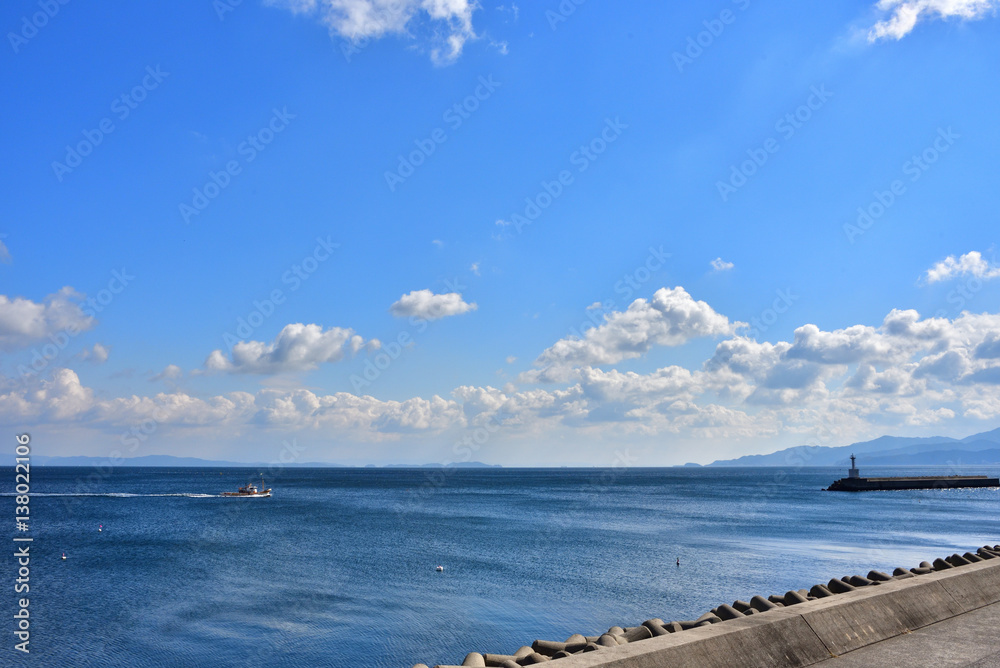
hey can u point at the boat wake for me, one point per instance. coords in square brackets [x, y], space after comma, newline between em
[121, 495]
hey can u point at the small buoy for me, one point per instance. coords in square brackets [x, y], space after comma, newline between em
[439, 569]
[100, 528]
[64, 556]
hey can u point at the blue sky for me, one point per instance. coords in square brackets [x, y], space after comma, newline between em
[648, 234]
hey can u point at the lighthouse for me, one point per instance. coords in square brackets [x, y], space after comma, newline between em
[853, 473]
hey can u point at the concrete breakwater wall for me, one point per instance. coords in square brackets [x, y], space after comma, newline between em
[799, 628]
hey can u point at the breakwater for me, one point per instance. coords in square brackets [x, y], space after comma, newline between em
[799, 628]
[915, 482]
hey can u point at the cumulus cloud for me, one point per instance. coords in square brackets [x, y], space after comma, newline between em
[608, 399]
[744, 370]
[904, 366]
[853, 382]
[24, 322]
[671, 388]
[98, 354]
[671, 318]
[718, 264]
[63, 399]
[990, 347]
[448, 21]
[425, 304]
[892, 381]
[903, 15]
[970, 264]
[907, 372]
[297, 347]
[843, 346]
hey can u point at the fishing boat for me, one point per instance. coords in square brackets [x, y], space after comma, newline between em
[251, 489]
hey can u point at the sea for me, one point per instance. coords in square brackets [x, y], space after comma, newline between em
[339, 566]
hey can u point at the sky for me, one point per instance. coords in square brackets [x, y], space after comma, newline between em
[549, 234]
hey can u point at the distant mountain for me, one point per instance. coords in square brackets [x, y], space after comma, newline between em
[986, 436]
[981, 448]
[941, 458]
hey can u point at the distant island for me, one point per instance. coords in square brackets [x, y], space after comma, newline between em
[457, 465]
[978, 449]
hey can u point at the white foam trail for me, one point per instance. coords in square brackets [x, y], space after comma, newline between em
[120, 495]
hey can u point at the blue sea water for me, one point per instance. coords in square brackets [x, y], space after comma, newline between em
[338, 567]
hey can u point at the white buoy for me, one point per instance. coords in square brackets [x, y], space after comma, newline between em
[64, 556]
[439, 569]
[100, 528]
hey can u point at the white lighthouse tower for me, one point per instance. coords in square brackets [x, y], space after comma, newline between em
[853, 473]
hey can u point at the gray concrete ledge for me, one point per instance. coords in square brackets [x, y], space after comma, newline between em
[969, 640]
[810, 632]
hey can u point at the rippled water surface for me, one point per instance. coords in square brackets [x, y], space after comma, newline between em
[338, 567]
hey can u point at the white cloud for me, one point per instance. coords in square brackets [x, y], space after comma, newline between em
[425, 304]
[63, 399]
[23, 322]
[513, 10]
[904, 363]
[448, 21]
[673, 383]
[905, 373]
[903, 15]
[474, 268]
[4, 252]
[297, 347]
[989, 348]
[862, 381]
[511, 359]
[98, 354]
[718, 264]
[970, 264]
[671, 318]
[170, 372]
[843, 346]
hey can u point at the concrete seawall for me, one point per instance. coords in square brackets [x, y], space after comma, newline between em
[815, 630]
[800, 633]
